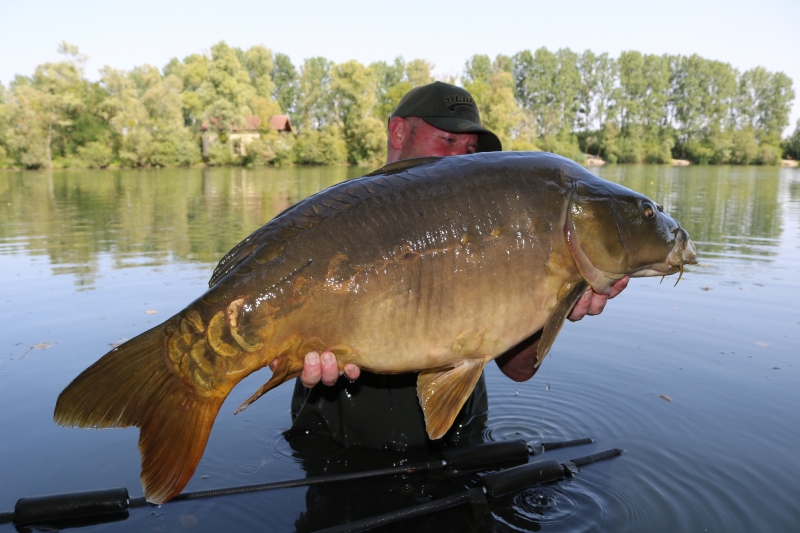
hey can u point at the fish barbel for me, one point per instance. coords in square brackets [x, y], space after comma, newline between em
[433, 265]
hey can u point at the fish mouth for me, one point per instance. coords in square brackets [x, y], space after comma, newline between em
[684, 252]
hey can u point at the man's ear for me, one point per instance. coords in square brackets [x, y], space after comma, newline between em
[399, 132]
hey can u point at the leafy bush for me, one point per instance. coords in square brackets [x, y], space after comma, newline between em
[323, 147]
[95, 155]
[564, 144]
[768, 155]
[259, 153]
[791, 147]
[5, 162]
[173, 152]
[220, 154]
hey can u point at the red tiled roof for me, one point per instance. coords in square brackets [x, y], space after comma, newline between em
[280, 123]
[252, 122]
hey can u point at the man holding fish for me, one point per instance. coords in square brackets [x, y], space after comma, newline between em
[437, 120]
[421, 272]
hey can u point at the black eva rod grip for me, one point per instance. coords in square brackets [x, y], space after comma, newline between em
[486, 453]
[519, 477]
[56, 507]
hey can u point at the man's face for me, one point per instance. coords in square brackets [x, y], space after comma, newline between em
[423, 140]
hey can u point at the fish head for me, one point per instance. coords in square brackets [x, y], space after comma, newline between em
[612, 232]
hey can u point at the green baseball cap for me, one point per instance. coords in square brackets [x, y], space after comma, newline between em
[448, 108]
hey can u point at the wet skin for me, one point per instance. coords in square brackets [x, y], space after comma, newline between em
[413, 137]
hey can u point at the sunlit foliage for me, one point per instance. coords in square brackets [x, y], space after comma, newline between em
[634, 108]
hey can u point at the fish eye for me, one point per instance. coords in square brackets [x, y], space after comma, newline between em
[648, 212]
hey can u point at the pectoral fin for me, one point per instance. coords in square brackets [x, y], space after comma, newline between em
[442, 393]
[568, 295]
[286, 369]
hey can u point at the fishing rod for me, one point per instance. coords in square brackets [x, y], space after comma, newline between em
[492, 486]
[106, 505]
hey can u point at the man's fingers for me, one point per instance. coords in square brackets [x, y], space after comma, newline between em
[592, 303]
[330, 369]
[352, 371]
[325, 368]
[619, 286]
[597, 303]
[312, 370]
[581, 307]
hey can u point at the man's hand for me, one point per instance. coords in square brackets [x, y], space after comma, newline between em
[591, 303]
[324, 367]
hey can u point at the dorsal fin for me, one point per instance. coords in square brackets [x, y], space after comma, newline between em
[402, 165]
[232, 259]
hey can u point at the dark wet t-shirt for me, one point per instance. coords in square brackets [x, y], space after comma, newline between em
[380, 411]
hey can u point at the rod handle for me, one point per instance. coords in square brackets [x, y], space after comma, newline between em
[71, 505]
[519, 477]
[480, 455]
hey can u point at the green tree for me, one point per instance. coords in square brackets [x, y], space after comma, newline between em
[418, 72]
[314, 102]
[389, 101]
[548, 89]
[791, 147]
[702, 99]
[43, 105]
[492, 86]
[548, 86]
[642, 108]
[259, 65]
[192, 72]
[763, 101]
[287, 88]
[353, 95]
[320, 147]
[391, 85]
[636, 108]
[596, 93]
[387, 76]
[597, 97]
[228, 89]
[145, 111]
[5, 161]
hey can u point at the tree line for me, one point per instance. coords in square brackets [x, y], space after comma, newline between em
[634, 108]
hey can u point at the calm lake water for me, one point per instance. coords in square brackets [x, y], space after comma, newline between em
[699, 383]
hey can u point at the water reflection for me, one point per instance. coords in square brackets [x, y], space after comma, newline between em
[149, 217]
[715, 457]
[145, 217]
[726, 210]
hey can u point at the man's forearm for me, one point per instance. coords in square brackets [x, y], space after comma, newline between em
[518, 363]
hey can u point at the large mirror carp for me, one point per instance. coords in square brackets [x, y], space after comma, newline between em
[433, 265]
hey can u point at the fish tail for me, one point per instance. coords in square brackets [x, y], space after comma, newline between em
[134, 385]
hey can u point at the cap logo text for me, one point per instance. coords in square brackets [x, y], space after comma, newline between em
[455, 100]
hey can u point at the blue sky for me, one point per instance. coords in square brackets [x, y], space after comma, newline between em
[125, 34]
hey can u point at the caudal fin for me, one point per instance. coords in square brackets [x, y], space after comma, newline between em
[133, 385]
